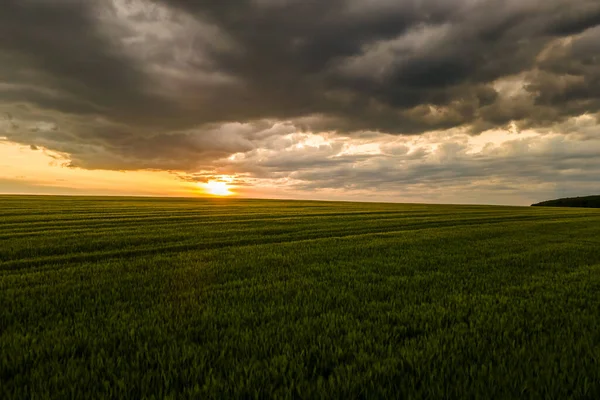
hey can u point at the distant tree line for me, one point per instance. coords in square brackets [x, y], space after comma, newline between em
[587, 201]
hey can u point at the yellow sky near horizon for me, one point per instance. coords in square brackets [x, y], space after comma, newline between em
[43, 172]
[27, 171]
[23, 170]
[306, 158]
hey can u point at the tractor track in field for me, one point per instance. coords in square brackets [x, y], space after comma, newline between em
[9, 266]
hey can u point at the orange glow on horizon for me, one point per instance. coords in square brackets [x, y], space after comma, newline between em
[217, 188]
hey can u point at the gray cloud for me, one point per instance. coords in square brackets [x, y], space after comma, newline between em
[375, 65]
[440, 168]
[182, 85]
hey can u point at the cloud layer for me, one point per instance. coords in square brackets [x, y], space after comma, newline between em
[195, 87]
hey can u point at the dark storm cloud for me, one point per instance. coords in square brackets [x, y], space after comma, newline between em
[55, 44]
[146, 84]
[374, 64]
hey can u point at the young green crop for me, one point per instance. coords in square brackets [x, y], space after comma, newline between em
[231, 298]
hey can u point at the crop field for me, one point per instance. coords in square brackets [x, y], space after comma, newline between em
[232, 298]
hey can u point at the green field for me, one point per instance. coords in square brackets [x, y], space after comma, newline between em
[230, 298]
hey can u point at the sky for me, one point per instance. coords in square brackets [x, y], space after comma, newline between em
[437, 101]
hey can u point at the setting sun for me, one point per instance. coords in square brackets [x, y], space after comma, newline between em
[217, 188]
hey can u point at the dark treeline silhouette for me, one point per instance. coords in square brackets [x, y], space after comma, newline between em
[587, 201]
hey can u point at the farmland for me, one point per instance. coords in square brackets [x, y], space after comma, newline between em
[233, 298]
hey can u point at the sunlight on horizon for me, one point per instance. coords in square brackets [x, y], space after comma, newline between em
[216, 188]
